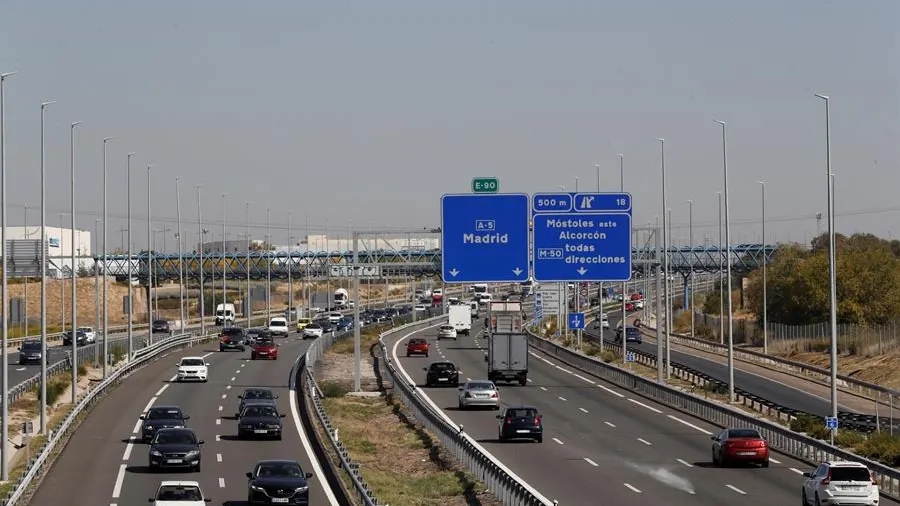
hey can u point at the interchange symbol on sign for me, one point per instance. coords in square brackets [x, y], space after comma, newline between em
[576, 321]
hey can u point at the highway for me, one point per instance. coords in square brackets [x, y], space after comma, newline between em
[101, 465]
[602, 445]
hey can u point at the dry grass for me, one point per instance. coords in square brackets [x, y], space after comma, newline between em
[400, 463]
[879, 369]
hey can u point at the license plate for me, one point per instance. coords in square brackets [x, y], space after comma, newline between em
[174, 461]
[260, 431]
[263, 353]
[522, 431]
[442, 379]
[281, 500]
[746, 453]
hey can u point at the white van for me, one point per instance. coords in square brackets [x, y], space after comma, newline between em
[474, 306]
[484, 299]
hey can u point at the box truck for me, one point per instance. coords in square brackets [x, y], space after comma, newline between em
[225, 314]
[460, 317]
[507, 343]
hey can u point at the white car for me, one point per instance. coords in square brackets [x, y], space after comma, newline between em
[334, 317]
[193, 369]
[840, 482]
[89, 335]
[604, 321]
[638, 304]
[278, 326]
[312, 331]
[446, 332]
[421, 307]
[179, 493]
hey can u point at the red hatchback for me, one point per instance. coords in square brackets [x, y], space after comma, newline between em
[739, 445]
[417, 346]
[264, 349]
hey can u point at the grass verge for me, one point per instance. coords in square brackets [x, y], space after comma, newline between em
[367, 337]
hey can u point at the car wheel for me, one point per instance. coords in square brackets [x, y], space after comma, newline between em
[818, 502]
[278, 437]
[803, 500]
[243, 348]
[765, 463]
[426, 355]
[197, 468]
[539, 439]
[407, 355]
[715, 459]
[252, 357]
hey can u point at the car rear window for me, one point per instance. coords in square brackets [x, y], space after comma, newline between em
[521, 413]
[417, 341]
[233, 331]
[850, 474]
[443, 367]
[277, 323]
[31, 345]
[750, 433]
[481, 385]
[164, 414]
[258, 394]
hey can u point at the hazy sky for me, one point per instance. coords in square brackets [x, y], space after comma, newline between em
[364, 113]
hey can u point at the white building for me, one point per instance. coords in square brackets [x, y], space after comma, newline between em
[398, 242]
[59, 244]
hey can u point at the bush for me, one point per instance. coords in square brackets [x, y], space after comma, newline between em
[608, 357]
[333, 389]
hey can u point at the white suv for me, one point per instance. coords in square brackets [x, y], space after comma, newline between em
[840, 482]
[278, 326]
[446, 332]
[89, 335]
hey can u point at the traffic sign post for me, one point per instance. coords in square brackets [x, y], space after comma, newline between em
[831, 423]
[485, 185]
[576, 321]
[484, 238]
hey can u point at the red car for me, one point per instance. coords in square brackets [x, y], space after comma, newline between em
[629, 306]
[637, 296]
[417, 346]
[264, 349]
[739, 445]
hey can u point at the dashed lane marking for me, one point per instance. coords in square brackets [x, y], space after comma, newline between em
[224, 395]
[795, 470]
[739, 491]
[591, 462]
[218, 421]
[232, 379]
[221, 482]
[774, 461]
[149, 404]
[220, 408]
[686, 463]
[610, 424]
[238, 371]
[648, 443]
[562, 398]
[218, 437]
[227, 387]
[583, 410]
[128, 449]
[558, 441]
[632, 488]
[544, 388]
[162, 389]
[610, 390]
[689, 424]
[218, 457]
[641, 404]
[529, 380]
[137, 427]
[468, 379]
[120, 478]
[586, 380]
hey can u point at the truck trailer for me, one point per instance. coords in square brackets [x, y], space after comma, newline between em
[507, 343]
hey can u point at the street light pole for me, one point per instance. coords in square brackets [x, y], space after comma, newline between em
[200, 235]
[721, 280]
[43, 281]
[691, 262]
[728, 264]
[765, 300]
[247, 300]
[4, 468]
[290, 261]
[25, 305]
[129, 265]
[306, 282]
[268, 269]
[832, 265]
[97, 278]
[74, 267]
[105, 254]
[600, 285]
[149, 259]
[624, 294]
[181, 327]
[224, 238]
[665, 247]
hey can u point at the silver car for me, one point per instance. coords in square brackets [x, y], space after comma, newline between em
[479, 393]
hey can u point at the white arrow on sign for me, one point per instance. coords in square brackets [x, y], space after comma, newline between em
[454, 272]
[581, 271]
[517, 271]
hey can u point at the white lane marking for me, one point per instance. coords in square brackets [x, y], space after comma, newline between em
[632, 488]
[610, 424]
[137, 427]
[562, 398]
[544, 388]
[224, 395]
[686, 463]
[468, 379]
[228, 387]
[591, 462]
[238, 371]
[218, 457]
[232, 379]
[558, 441]
[648, 443]
[20, 369]
[173, 378]
[610, 390]
[739, 491]
[128, 448]
[221, 482]
[689, 424]
[149, 405]
[641, 404]
[529, 380]
[220, 408]
[586, 380]
[242, 365]
[218, 421]
[564, 370]
[218, 437]
[120, 478]
[795, 470]
[162, 389]
[583, 410]
[774, 461]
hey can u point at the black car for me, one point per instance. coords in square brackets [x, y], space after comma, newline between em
[441, 374]
[30, 352]
[326, 325]
[523, 422]
[80, 337]
[175, 448]
[632, 335]
[161, 326]
[161, 417]
[255, 396]
[278, 482]
[232, 338]
[260, 420]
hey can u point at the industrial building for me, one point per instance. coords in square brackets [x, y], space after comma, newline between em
[24, 246]
[322, 243]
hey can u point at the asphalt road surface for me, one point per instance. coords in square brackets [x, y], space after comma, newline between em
[102, 465]
[601, 443]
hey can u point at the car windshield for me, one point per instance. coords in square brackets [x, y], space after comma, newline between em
[279, 470]
[277, 323]
[748, 433]
[442, 367]
[164, 414]
[631, 330]
[258, 394]
[192, 361]
[31, 346]
[850, 474]
[233, 331]
[446, 327]
[313, 326]
[179, 437]
[159, 322]
[303, 320]
[179, 493]
[521, 413]
[85, 329]
[265, 341]
[417, 341]
[481, 385]
[260, 411]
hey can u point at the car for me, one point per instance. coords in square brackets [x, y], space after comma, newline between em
[278, 482]
[441, 374]
[523, 422]
[192, 369]
[259, 420]
[840, 482]
[420, 308]
[632, 335]
[417, 346]
[264, 347]
[334, 317]
[80, 338]
[313, 331]
[739, 445]
[479, 394]
[629, 306]
[161, 417]
[232, 338]
[446, 332]
[603, 322]
[89, 335]
[255, 396]
[160, 326]
[302, 323]
[179, 493]
[175, 448]
[327, 326]
[30, 352]
[346, 323]
[278, 326]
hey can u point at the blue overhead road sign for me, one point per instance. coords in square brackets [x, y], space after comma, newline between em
[590, 243]
[576, 321]
[484, 238]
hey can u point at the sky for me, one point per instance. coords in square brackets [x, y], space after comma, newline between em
[360, 115]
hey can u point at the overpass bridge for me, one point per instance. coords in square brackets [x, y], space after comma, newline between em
[381, 263]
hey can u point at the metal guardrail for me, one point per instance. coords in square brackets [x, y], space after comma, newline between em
[797, 445]
[59, 434]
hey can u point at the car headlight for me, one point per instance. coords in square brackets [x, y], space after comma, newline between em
[257, 488]
[192, 454]
[274, 426]
[155, 453]
[178, 427]
[148, 427]
[301, 489]
[244, 426]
